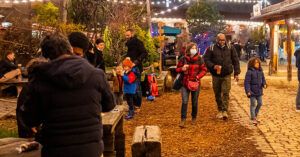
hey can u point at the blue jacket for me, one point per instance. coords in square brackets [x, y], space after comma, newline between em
[254, 81]
[297, 55]
[129, 83]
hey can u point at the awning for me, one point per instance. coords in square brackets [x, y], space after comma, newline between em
[280, 11]
[168, 31]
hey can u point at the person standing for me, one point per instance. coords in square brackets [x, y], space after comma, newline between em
[262, 49]
[80, 43]
[238, 48]
[66, 96]
[297, 55]
[98, 49]
[137, 53]
[221, 59]
[193, 67]
[129, 79]
[254, 83]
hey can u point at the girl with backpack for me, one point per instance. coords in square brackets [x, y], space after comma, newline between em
[193, 68]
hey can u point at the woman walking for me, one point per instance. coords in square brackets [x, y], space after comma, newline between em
[193, 68]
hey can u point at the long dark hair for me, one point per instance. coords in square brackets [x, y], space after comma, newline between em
[189, 47]
[251, 62]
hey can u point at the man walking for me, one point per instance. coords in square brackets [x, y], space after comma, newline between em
[297, 55]
[66, 97]
[137, 53]
[222, 60]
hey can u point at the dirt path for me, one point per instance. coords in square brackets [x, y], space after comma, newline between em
[210, 137]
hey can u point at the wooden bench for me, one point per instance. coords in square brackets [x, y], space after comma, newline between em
[146, 142]
[113, 135]
[8, 148]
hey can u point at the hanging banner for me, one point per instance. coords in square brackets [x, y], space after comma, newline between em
[257, 9]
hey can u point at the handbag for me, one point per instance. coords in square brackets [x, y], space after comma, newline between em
[178, 81]
[192, 85]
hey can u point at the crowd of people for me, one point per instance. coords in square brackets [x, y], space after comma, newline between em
[68, 89]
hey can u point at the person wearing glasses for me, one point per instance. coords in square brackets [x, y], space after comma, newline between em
[222, 59]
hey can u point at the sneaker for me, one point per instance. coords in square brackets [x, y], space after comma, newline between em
[225, 115]
[182, 123]
[220, 115]
[254, 122]
[128, 117]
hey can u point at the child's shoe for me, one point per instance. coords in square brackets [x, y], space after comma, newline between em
[254, 122]
[137, 109]
[130, 115]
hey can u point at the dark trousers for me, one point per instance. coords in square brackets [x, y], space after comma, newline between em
[138, 96]
[130, 101]
[222, 86]
[185, 99]
[119, 98]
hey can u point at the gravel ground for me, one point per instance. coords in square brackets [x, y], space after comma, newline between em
[209, 137]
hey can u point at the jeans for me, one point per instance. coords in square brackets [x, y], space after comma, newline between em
[138, 96]
[222, 86]
[185, 99]
[298, 98]
[254, 109]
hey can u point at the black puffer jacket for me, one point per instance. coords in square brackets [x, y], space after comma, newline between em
[6, 66]
[136, 52]
[226, 57]
[67, 96]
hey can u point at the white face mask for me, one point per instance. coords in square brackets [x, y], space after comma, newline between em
[193, 52]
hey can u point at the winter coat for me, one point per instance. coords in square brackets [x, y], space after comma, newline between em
[254, 81]
[136, 52]
[99, 61]
[67, 96]
[297, 55]
[226, 57]
[196, 70]
[6, 66]
[129, 83]
[117, 84]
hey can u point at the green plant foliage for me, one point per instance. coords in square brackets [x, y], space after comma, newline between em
[115, 45]
[258, 35]
[5, 132]
[47, 14]
[202, 17]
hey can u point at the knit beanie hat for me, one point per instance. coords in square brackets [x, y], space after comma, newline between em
[127, 62]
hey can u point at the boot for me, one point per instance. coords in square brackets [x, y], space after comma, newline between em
[182, 123]
[130, 115]
[225, 115]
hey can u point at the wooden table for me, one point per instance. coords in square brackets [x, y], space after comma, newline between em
[8, 148]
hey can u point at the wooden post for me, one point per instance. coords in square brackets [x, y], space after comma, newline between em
[63, 11]
[289, 23]
[160, 32]
[149, 15]
[271, 53]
